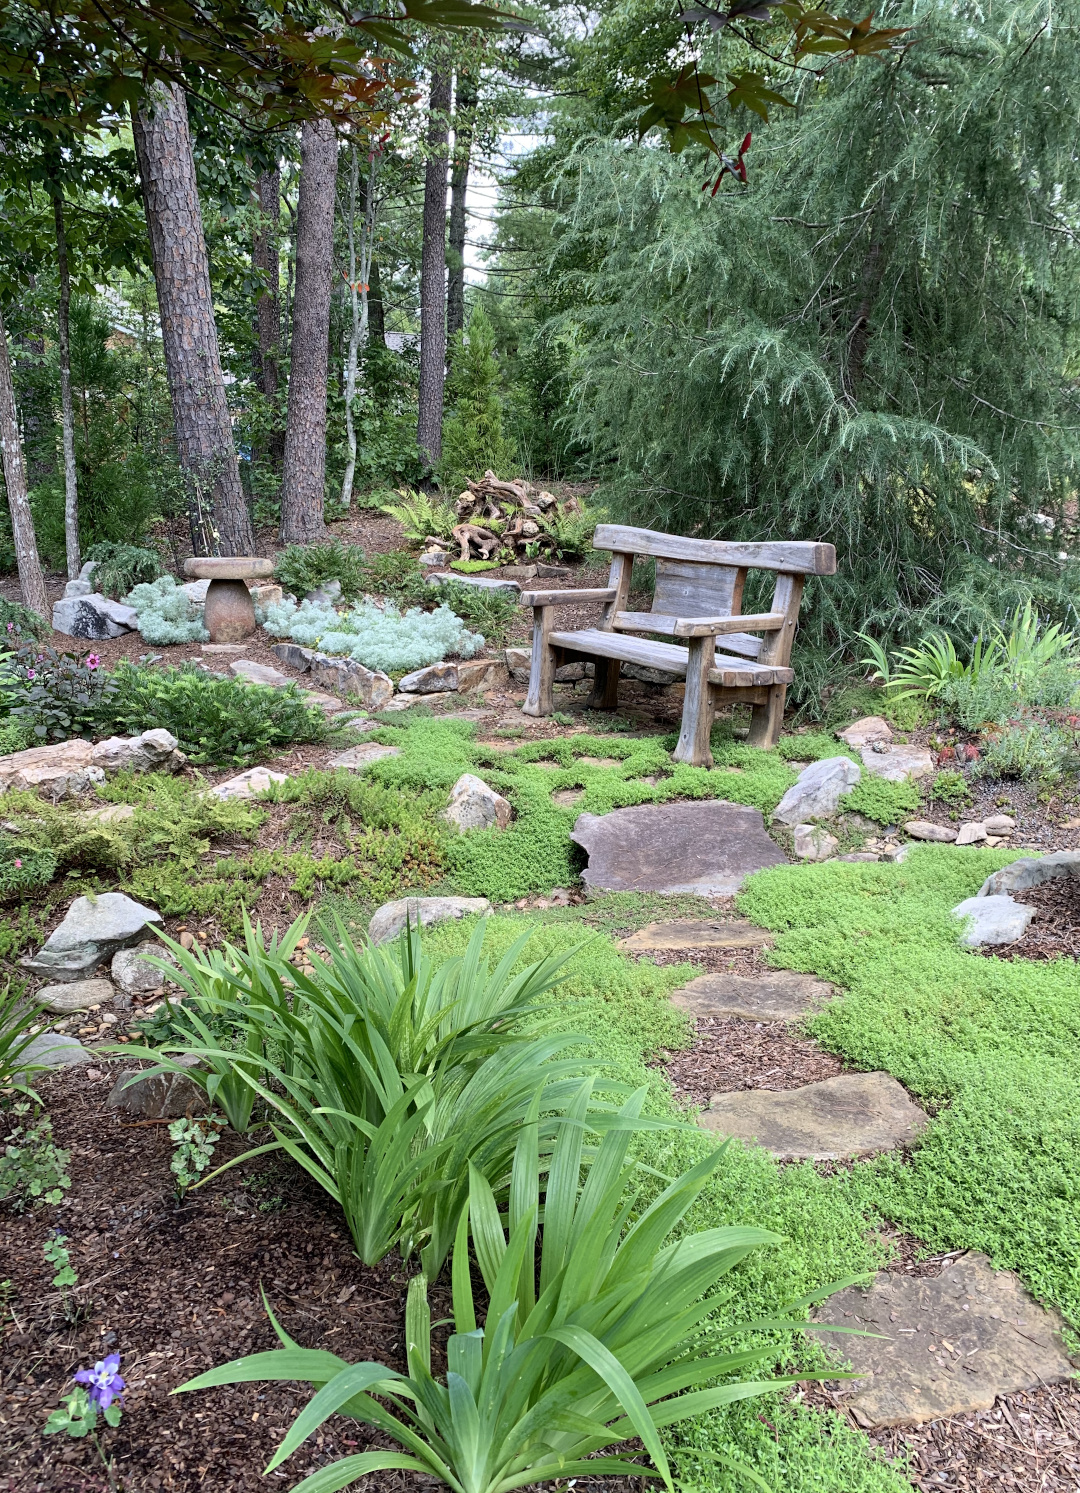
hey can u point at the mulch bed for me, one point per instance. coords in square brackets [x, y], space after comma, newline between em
[1054, 931]
[730, 1054]
[175, 1288]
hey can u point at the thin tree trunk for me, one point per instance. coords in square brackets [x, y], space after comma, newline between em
[67, 410]
[464, 119]
[31, 581]
[362, 194]
[265, 260]
[433, 275]
[204, 437]
[376, 314]
[304, 470]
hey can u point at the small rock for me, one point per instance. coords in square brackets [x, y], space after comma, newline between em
[51, 1050]
[328, 591]
[222, 647]
[328, 704]
[248, 784]
[406, 702]
[91, 932]
[152, 751]
[999, 824]
[78, 588]
[812, 843]
[195, 591]
[359, 757]
[897, 764]
[187, 940]
[922, 829]
[860, 855]
[898, 854]
[246, 668]
[863, 733]
[266, 594]
[819, 790]
[158, 1096]
[481, 582]
[135, 975]
[77, 995]
[390, 919]
[69, 768]
[519, 662]
[559, 896]
[294, 656]
[347, 677]
[435, 559]
[474, 805]
[971, 834]
[994, 920]
[436, 677]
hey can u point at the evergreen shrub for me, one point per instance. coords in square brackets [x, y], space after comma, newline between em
[119, 568]
[473, 436]
[304, 567]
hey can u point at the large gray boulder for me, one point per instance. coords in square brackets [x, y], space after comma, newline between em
[994, 920]
[819, 790]
[92, 931]
[1030, 871]
[92, 617]
[391, 917]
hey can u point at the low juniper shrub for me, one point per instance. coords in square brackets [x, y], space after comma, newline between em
[120, 567]
[304, 567]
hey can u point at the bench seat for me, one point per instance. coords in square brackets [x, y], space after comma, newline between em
[728, 672]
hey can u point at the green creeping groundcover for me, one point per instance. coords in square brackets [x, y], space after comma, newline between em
[989, 1045]
[621, 1009]
[535, 853]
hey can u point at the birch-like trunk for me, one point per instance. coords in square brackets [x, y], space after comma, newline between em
[31, 581]
[67, 408]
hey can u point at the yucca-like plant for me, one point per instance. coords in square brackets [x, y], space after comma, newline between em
[590, 1338]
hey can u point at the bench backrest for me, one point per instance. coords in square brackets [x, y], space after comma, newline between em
[705, 578]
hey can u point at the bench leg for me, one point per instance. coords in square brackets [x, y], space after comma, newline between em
[541, 697]
[605, 692]
[766, 720]
[697, 716]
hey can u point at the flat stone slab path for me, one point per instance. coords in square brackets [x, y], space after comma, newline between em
[854, 1115]
[359, 757]
[947, 1344]
[698, 933]
[774, 995]
[709, 848]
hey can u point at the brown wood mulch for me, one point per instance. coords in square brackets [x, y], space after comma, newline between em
[175, 1289]
[730, 1054]
[1054, 931]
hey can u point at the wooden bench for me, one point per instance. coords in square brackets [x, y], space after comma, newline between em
[698, 597]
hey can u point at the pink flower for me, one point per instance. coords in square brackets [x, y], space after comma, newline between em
[92, 661]
[18, 865]
[31, 673]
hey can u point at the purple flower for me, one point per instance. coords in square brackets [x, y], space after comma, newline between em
[11, 627]
[104, 1380]
[92, 661]
[31, 673]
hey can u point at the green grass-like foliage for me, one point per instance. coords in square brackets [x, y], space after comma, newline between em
[589, 1336]
[304, 567]
[473, 567]
[884, 802]
[216, 721]
[990, 1044]
[489, 612]
[19, 1016]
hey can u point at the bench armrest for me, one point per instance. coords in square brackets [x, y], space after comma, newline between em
[566, 598]
[698, 627]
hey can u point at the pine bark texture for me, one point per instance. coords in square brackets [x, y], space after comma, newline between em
[304, 470]
[204, 436]
[31, 581]
[376, 315]
[433, 275]
[265, 260]
[464, 119]
[67, 407]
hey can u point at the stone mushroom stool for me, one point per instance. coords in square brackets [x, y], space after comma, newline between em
[229, 616]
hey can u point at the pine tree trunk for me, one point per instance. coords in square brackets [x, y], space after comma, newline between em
[433, 275]
[265, 260]
[31, 581]
[67, 409]
[304, 471]
[464, 118]
[204, 437]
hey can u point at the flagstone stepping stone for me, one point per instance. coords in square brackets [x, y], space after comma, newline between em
[92, 931]
[359, 757]
[253, 673]
[77, 995]
[248, 784]
[709, 848]
[691, 933]
[943, 1345]
[994, 920]
[776, 995]
[855, 1114]
[566, 798]
[390, 919]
